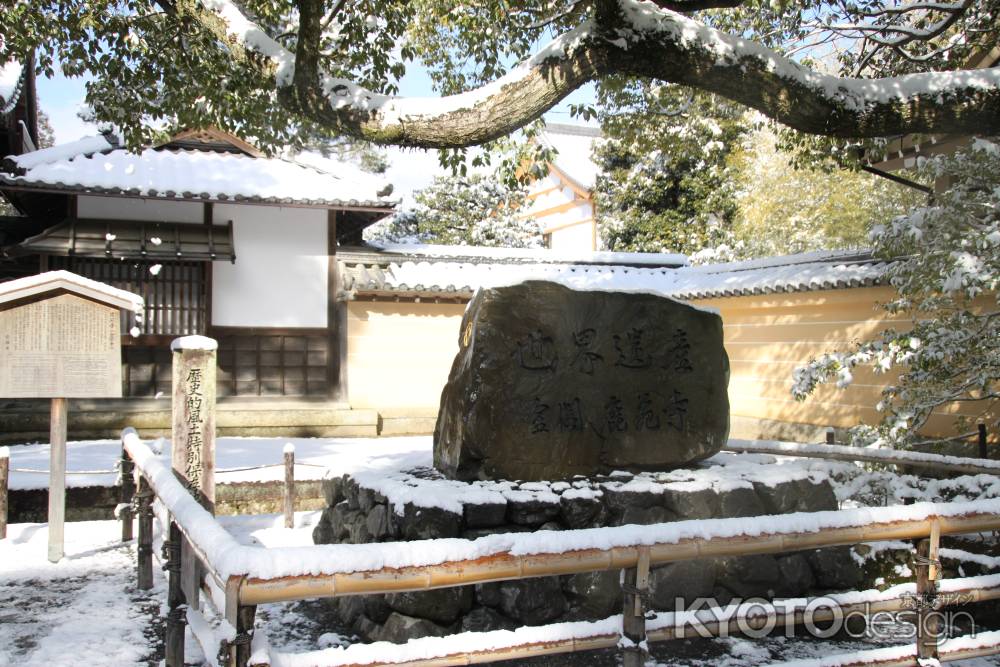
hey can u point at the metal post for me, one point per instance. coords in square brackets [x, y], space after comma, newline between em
[289, 499]
[176, 621]
[126, 493]
[635, 589]
[57, 479]
[144, 549]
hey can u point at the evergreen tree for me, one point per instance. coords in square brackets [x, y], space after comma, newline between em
[473, 210]
[665, 183]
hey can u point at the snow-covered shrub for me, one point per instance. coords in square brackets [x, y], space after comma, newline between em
[945, 271]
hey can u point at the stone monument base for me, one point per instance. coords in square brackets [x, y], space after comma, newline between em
[420, 504]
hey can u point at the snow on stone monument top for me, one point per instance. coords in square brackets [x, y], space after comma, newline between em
[14, 290]
[194, 343]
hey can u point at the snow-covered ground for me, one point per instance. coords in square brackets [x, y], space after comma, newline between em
[86, 610]
[96, 459]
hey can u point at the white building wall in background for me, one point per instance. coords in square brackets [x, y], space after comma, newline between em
[574, 238]
[120, 208]
[280, 275]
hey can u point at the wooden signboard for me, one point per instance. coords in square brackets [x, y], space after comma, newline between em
[60, 337]
[62, 347]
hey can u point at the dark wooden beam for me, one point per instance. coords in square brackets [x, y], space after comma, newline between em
[336, 318]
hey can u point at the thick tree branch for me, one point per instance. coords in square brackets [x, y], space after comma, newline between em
[646, 41]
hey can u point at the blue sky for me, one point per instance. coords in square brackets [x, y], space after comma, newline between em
[410, 170]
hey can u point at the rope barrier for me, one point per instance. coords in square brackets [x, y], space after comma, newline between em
[35, 471]
[268, 465]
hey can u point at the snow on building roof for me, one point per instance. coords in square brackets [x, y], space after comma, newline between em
[523, 255]
[99, 165]
[10, 85]
[447, 277]
[30, 286]
[574, 145]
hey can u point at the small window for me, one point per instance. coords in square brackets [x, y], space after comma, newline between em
[175, 293]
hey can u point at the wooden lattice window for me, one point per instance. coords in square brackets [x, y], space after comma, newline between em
[273, 364]
[176, 293]
[146, 371]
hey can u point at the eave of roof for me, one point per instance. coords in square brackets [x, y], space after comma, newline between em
[366, 276]
[99, 166]
[383, 207]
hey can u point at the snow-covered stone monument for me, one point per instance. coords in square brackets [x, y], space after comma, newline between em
[574, 409]
[551, 382]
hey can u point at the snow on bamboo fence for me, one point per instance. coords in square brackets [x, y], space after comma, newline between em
[239, 577]
[919, 460]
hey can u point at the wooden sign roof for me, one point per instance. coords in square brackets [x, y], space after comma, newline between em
[56, 282]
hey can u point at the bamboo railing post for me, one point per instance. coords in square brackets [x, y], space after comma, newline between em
[176, 616]
[635, 589]
[981, 429]
[144, 549]
[831, 436]
[126, 493]
[240, 617]
[928, 629]
[289, 498]
[4, 477]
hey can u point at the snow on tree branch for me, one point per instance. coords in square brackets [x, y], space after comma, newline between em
[644, 39]
[947, 276]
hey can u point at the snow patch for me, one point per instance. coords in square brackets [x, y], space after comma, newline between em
[194, 343]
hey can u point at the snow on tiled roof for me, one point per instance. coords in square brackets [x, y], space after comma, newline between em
[793, 273]
[10, 85]
[525, 255]
[95, 164]
[66, 151]
[574, 144]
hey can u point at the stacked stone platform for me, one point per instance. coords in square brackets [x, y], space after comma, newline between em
[421, 504]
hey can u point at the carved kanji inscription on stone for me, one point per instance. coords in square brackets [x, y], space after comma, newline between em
[550, 382]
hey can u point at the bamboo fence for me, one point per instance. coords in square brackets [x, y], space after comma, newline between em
[242, 593]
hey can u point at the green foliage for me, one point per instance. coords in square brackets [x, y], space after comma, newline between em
[475, 210]
[157, 68]
[783, 209]
[665, 183]
[946, 273]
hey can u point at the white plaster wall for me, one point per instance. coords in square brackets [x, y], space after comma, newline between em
[575, 238]
[582, 211]
[550, 181]
[551, 200]
[280, 275]
[153, 210]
